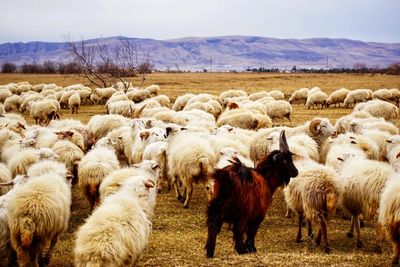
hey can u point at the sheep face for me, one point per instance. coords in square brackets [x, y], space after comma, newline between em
[322, 127]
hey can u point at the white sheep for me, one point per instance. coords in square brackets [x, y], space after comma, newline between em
[241, 118]
[124, 107]
[104, 93]
[100, 125]
[113, 181]
[12, 103]
[313, 90]
[389, 213]
[363, 181]
[356, 96]
[299, 95]
[94, 166]
[44, 111]
[224, 96]
[154, 89]
[314, 193]
[4, 94]
[157, 152]
[277, 95]
[74, 102]
[64, 98]
[69, 154]
[395, 93]
[118, 231]
[5, 176]
[180, 101]
[379, 108]
[337, 97]
[191, 159]
[37, 214]
[258, 95]
[279, 109]
[138, 95]
[317, 98]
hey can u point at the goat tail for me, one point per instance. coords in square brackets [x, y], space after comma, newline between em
[331, 201]
[27, 228]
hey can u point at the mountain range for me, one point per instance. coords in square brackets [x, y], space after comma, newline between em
[227, 52]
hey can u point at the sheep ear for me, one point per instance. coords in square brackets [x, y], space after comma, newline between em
[149, 184]
[353, 142]
[120, 137]
[398, 155]
[168, 130]
[21, 125]
[144, 135]
[296, 157]
[69, 177]
[389, 141]
[339, 158]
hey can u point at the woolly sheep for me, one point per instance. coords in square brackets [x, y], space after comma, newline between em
[92, 169]
[138, 95]
[118, 231]
[154, 89]
[356, 96]
[279, 109]
[104, 93]
[258, 95]
[4, 94]
[157, 152]
[382, 94]
[44, 111]
[100, 125]
[342, 124]
[69, 154]
[299, 95]
[363, 181]
[113, 181]
[117, 96]
[38, 213]
[313, 91]
[337, 97]
[380, 109]
[64, 98]
[314, 193]
[2, 109]
[162, 99]
[124, 108]
[389, 213]
[230, 94]
[277, 95]
[190, 160]
[361, 125]
[74, 102]
[317, 98]
[241, 118]
[38, 87]
[12, 103]
[180, 101]
[395, 93]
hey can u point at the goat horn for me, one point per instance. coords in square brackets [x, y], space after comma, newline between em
[283, 145]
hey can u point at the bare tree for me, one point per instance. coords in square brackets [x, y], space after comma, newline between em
[104, 65]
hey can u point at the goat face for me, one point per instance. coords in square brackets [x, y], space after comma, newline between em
[284, 164]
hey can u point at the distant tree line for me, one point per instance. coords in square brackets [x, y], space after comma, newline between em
[50, 67]
[392, 69]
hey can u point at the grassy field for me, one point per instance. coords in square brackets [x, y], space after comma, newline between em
[179, 234]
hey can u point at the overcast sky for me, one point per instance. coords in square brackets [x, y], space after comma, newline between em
[52, 20]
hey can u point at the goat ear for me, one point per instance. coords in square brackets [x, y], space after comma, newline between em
[149, 184]
[315, 126]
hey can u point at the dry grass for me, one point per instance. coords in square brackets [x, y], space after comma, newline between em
[179, 234]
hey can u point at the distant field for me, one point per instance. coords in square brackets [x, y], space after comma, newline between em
[179, 234]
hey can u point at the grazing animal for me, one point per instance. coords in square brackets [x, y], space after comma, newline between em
[243, 195]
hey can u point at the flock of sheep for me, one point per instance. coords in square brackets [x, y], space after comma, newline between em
[146, 145]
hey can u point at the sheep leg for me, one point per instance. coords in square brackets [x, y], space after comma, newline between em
[288, 213]
[324, 229]
[238, 231]
[300, 217]
[309, 229]
[357, 224]
[46, 259]
[214, 227]
[176, 187]
[378, 231]
[251, 234]
[319, 235]
[352, 224]
[189, 193]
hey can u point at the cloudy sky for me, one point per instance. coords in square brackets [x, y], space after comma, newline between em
[52, 20]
